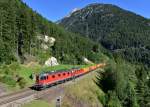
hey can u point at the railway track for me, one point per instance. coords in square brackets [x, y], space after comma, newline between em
[8, 100]
[15, 96]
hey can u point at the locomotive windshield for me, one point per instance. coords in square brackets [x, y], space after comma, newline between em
[43, 77]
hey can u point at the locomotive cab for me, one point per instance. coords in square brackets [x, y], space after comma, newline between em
[37, 79]
[40, 81]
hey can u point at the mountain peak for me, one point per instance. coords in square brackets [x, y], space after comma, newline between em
[73, 11]
[94, 4]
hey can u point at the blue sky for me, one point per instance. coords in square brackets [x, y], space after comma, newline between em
[56, 9]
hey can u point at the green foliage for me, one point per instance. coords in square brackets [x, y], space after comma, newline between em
[107, 80]
[113, 100]
[20, 28]
[142, 88]
[14, 66]
[43, 56]
[9, 74]
[22, 82]
[8, 80]
[6, 70]
[95, 56]
[110, 100]
[127, 86]
[38, 103]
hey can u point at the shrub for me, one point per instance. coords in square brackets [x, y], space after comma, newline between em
[8, 80]
[14, 66]
[22, 82]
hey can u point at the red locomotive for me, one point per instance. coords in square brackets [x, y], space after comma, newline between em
[48, 79]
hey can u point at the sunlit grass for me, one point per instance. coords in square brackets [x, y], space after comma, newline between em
[38, 103]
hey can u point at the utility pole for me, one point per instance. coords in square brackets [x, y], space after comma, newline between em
[58, 101]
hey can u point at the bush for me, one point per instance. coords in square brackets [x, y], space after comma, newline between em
[22, 82]
[8, 80]
[107, 80]
[14, 66]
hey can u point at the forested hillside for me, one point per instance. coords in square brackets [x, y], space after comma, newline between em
[20, 28]
[124, 33]
[124, 85]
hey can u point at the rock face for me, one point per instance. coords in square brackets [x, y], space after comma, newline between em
[44, 46]
[87, 61]
[46, 41]
[49, 40]
[51, 62]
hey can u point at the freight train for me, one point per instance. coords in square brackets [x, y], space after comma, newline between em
[48, 79]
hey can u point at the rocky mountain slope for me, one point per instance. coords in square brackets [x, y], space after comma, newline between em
[124, 33]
